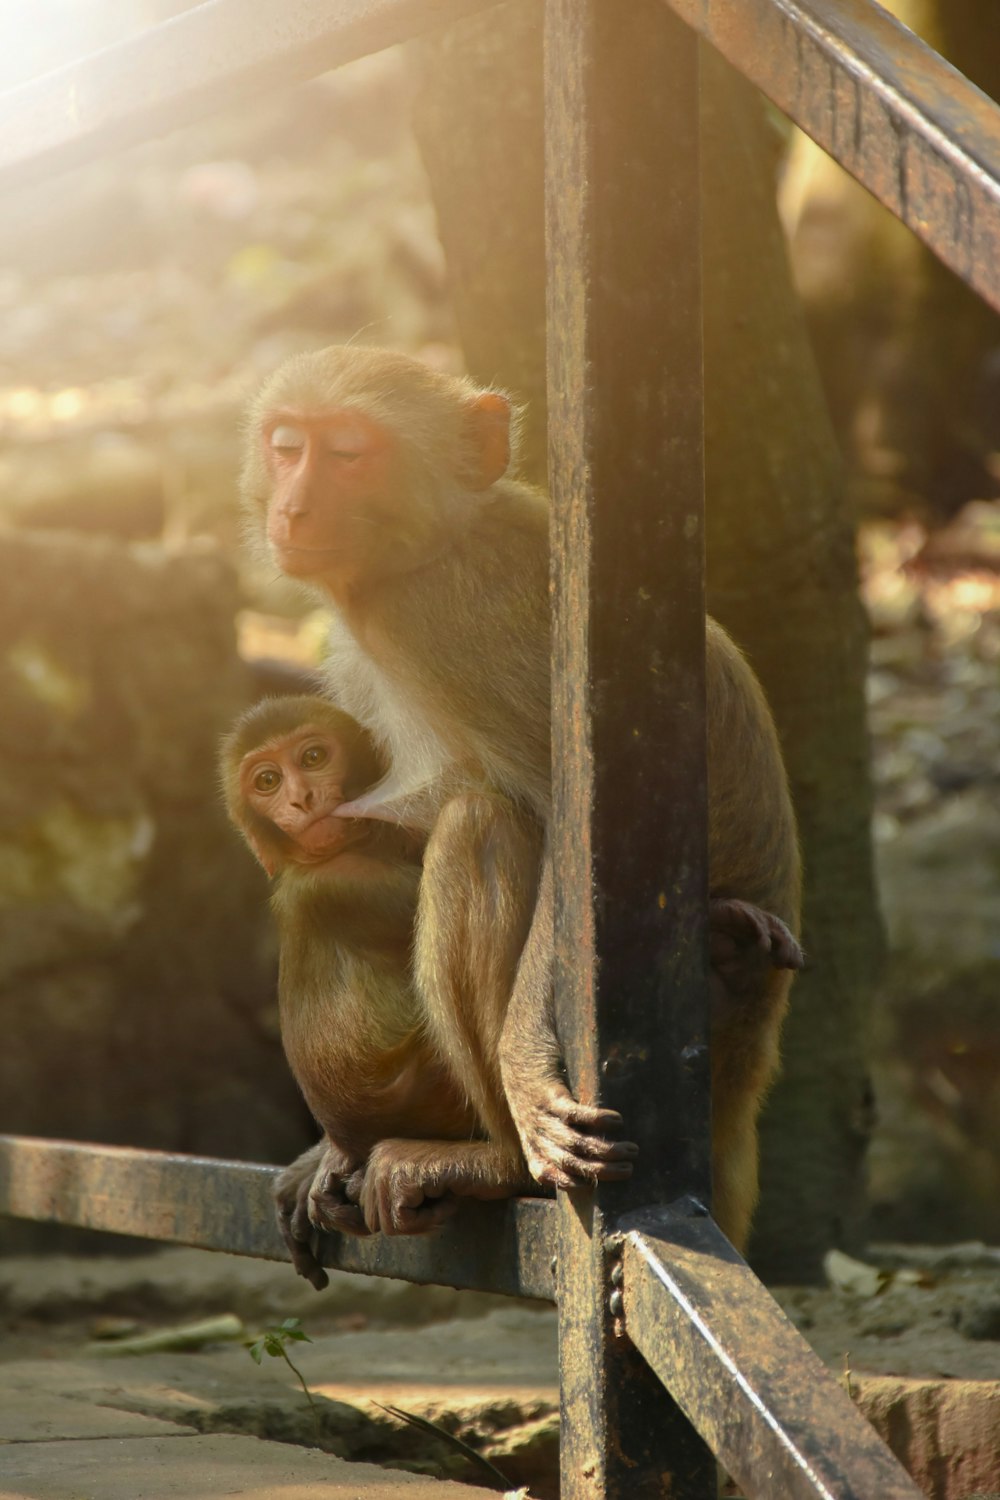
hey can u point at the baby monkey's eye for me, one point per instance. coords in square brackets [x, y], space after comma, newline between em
[267, 779]
[314, 755]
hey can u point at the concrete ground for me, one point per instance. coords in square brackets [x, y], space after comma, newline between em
[78, 1420]
[182, 1463]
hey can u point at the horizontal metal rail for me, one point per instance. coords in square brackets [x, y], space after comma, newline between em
[906, 124]
[222, 52]
[774, 1416]
[226, 1205]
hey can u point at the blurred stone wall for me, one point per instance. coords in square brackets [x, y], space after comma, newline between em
[137, 965]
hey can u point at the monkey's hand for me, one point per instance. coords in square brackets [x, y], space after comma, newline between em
[411, 1187]
[744, 940]
[291, 1203]
[565, 1143]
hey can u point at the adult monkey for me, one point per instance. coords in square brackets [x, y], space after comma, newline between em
[384, 484]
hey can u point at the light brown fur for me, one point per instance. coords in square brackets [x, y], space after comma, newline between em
[353, 1025]
[438, 578]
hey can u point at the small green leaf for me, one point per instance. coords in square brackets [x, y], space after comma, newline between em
[256, 1352]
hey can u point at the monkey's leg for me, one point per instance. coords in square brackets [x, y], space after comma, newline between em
[409, 1187]
[565, 1142]
[746, 1027]
[477, 891]
[327, 1203]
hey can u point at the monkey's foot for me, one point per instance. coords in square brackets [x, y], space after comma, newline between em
[565, 1143]
[410, 1187]
[291, 1203]
[332, 1199]
[737, 926]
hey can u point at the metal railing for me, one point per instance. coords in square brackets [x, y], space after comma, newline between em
[650, 1294]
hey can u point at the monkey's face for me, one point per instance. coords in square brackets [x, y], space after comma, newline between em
[363, 464]
[296, 782]
[333, 479]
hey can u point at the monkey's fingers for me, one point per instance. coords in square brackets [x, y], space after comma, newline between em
[353, 1186]
[563, 1156]
[581, 1116]
[400, 1202]
[565, 1170]
[307, 1266]
[735, 924]
[334, 1216]
[785, 950]
[303, 1251]
[421, 1218]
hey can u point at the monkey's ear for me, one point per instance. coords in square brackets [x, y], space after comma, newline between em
[485, 441]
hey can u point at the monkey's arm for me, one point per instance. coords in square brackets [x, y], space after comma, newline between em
[565, 1142]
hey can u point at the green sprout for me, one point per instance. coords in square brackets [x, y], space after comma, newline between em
[275, 1341]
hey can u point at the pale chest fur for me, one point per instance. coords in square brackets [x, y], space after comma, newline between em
[360, 685]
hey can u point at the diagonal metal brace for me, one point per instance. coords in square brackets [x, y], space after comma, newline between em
[912, 130]
[772, 1413]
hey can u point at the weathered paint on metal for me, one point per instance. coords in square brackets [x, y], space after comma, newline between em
[220, 53]
[922, 138]
[226, 1205]
[776, 1418]
[629, 834]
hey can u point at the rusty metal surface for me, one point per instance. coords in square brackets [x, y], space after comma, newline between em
[911, 128]
[629, 833]
[776, 1418]
[220, 53]
[226, 1205]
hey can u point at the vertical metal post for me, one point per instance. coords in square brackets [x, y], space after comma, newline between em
[625, 425]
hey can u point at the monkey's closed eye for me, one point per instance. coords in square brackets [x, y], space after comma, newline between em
[288, 439]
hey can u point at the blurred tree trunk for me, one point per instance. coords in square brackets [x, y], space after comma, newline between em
[910, 357]
[781, 566]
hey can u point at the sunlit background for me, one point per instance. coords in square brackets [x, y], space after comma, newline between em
[141, 299]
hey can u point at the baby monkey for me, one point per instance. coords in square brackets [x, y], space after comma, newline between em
[399, 1140]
